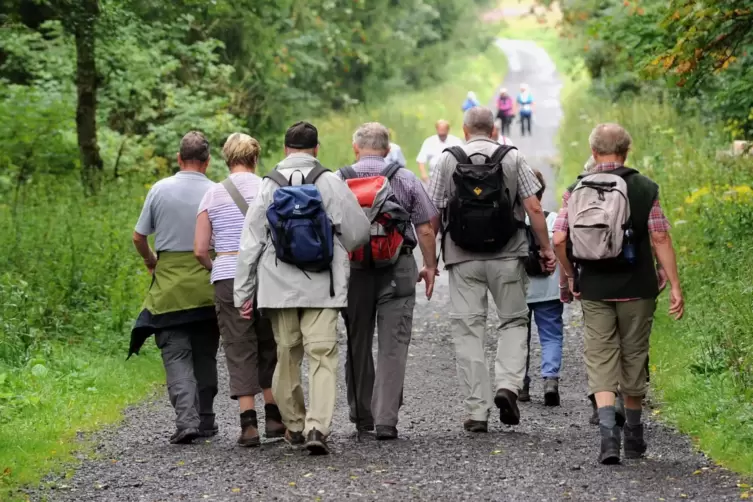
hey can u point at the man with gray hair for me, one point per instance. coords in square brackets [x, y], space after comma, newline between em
[619, 286]
[485, 190]
[179, 306]
[385, 297]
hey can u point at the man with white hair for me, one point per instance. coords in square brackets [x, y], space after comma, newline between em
[432, 148]
[618, 283]
[384, 297]
[484, 246]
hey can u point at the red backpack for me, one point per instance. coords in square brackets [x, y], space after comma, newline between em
[389, 220]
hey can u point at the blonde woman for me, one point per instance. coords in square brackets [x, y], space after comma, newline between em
[249, 345]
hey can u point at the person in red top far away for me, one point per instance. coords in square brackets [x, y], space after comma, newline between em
[618, 294]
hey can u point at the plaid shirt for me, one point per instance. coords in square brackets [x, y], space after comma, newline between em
[408, 189]
[657, 221]
[439, 192]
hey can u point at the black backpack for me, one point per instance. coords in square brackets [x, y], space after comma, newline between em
[533, 261]
[480, 216]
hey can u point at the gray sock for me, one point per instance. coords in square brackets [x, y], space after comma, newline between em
[606, 417]
[633, 417]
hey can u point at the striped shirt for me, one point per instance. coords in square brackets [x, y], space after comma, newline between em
[409, 191]
[227, 221]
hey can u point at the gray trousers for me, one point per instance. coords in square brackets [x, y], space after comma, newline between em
[383, 298]
[506, 280]
[189, 354]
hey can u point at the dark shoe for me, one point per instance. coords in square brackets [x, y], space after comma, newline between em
[249, 429]
[273, 426]
[610, 445]
[386, 432]
[471, 425]
[594, 420]
[525, 393]
[551, 392]
[619, 411]
[635, 445]
[208, 427]
[294, 438]
[365, 427]
[316, 444]
[184, 436]
[506, 401]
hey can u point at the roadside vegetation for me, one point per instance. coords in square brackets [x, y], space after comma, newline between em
[70, 282]
[684, 94]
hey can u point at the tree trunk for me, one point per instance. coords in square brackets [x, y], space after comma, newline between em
[86, 83]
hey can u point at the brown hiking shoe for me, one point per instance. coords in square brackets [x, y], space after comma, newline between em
[294, 438]
[249, 429]
[273, 426]
[506, 401]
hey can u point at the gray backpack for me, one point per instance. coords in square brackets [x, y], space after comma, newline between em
[598, 213]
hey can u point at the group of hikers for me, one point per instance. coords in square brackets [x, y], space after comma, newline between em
[507, 109]
[267, 265]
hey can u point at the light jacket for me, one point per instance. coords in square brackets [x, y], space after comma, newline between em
[278, 285]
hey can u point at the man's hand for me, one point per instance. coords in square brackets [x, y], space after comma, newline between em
[428, 275]
[247, 310]
[548, 259]
[566, 296]
[151, 262]
[676, 303]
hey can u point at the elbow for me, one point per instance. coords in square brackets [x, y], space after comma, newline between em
[560, 240]
[426, 230]
[660, 239]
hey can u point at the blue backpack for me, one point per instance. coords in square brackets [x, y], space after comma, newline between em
[302, 233]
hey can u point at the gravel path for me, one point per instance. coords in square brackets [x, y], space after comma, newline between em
[550, 456]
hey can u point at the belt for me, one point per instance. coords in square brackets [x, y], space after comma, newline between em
[227, 253]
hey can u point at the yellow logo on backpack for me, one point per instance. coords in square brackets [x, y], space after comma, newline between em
[477, 191]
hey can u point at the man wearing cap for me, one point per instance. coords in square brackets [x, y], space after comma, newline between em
[302, 305]
[433, 147]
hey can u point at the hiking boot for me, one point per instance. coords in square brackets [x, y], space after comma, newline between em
[471, 425]
[551, 391]
[594, 420]
[610, 445]
[635, 445]
[249, 429]
[208, 427]
[525, 393]
[294, 438]
[506, 401]
[185, 436]
[619, 411]
[273, 426]
[316, 443]
[386, 432]
[365, 427]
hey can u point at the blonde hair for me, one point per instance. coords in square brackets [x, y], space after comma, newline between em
[241, 149]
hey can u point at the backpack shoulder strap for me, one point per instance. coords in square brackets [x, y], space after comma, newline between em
[277, 177]
[500, 153]
[236, 195]
[390, 171]
[314, 174]
[459, 154]
[348, 173]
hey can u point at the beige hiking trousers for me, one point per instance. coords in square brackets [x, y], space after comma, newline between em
[506, 280]
[313, 331]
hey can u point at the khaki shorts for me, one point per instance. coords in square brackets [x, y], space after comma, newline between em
[616, 345]
[250, 348]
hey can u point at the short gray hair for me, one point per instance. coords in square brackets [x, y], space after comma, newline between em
[194, 147]
[610, 139]
[479, 120]
[372, 136]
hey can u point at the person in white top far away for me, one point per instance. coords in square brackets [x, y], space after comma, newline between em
[433, 147]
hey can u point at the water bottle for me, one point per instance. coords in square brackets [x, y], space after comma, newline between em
[628, 246]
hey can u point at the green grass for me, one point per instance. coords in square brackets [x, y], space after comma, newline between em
[702, 366]
[411, 116]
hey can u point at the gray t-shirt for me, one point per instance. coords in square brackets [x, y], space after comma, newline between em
[170, 210]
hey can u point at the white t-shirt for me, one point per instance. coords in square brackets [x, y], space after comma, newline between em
[433, 147]
[547, 288]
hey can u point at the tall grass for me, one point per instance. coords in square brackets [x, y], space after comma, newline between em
[702, 366]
